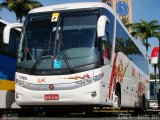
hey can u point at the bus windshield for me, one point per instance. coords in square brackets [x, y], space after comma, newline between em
[154, 89]
[153, 95]
[59, 47]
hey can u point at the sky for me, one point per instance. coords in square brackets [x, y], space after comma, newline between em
[147, 10]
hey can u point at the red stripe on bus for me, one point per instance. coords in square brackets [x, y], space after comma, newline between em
[113, 75]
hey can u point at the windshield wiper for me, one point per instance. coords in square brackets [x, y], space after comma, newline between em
[36, 62]
[67, 59]
[64, 53]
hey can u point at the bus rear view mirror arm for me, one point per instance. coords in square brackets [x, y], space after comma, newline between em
[101, 25]
[7, 29]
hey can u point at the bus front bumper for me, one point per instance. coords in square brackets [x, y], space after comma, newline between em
[89, 94]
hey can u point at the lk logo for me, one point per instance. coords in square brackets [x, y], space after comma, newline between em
[41, 80]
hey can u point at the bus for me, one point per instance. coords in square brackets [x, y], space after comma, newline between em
[154, 83]
[8, 66]
[153, 94]
[79, 54]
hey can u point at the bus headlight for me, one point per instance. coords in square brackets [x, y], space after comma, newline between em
[21, 83]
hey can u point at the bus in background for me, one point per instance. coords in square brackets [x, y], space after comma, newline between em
[8, 54]
[153, 94]
[155, 83]
[79, 54]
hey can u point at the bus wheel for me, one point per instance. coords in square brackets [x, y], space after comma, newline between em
[143, 103]
[117, 99]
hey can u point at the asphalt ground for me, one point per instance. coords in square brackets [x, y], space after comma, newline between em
[41, 115]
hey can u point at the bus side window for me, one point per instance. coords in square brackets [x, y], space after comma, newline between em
[105, 48]
[12, 47]
[109, 38]
[109, 29]
[106, 44]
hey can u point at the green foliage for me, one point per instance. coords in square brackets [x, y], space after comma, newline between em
[125, 21]
[145, 30]
[152, 76]
[20, 7]
[105, 1]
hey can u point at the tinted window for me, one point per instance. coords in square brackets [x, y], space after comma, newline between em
[12, 47]
[126, 45]
[105, 43]
[109, 32]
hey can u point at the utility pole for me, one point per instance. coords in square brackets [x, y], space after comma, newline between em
[155, 73]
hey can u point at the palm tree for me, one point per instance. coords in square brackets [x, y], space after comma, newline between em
[125, 21]
[105, 1]
[20, 7]
[145, 30]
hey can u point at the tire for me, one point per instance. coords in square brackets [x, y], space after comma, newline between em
[144, 103]
[118, 94]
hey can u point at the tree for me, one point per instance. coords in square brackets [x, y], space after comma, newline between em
[105, 1]
[20, 7]
[145, 30]
[125, 21]
[152, 76]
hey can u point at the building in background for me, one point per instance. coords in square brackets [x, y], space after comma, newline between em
[123, 8]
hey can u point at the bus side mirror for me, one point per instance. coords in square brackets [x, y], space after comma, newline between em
[101, 25]
[7, 29]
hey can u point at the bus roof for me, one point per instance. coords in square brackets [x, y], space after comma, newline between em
[82, 5]
[71, 6]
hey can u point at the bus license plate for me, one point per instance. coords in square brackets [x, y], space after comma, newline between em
[51, 97]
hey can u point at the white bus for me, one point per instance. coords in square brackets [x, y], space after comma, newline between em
[79, 54]
[153, 93]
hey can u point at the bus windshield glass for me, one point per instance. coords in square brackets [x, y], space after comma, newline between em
[153, 95]
[61, 46]
[154, 87]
